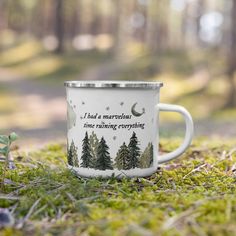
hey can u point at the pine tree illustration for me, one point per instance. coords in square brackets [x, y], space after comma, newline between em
[151, 155]
[72, 155]
[122, 158]
[134, 152]
[93, 142]
[86, 153]
[146, 159]
[103, 161]
[69, 155]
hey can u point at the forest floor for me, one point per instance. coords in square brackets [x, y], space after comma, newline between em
[193, 195]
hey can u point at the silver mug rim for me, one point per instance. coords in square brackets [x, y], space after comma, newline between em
[112, 84]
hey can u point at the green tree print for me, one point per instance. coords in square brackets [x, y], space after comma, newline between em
[86, 156]
[146, 159]
[93, 142]
[72, 155]
[122, 158]
[134, 152]
[103, 161]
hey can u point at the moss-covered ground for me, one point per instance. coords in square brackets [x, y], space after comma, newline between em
[194, 195]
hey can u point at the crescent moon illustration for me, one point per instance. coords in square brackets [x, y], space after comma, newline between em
[135, 113]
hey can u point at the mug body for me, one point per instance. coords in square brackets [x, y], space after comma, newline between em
[112, 128]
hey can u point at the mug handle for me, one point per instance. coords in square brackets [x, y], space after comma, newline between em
[188, 133]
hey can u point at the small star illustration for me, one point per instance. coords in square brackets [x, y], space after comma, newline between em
[83, 102]
[122, 103]
[107, 108]
[81, 117]
[74, 106]
[114, 138]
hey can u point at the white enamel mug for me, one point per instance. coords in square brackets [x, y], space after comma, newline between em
[113, 128]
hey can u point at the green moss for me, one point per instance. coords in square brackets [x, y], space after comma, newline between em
[194, 195]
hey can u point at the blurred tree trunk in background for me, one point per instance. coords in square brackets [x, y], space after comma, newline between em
[77, 21]
[38, 20]
[3, 15]
[85, 16]
[120, 27]
[152, 25]
[59, 25]
[106, 17]
[226, 27]
[139, 30]
[184, 23]
[71, 11]
[95, 24]
[47, 17]
[232, 58]
[157, 25]
[200, 10]
[16, 21]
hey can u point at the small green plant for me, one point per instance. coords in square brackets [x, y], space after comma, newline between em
[6, 142]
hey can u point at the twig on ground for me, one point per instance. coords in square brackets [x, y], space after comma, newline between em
[71, 197]
[177, 219]
[40, 210]
[13, 208]
[230, 153]
[192, 211]
[22, 222]
[195, 170]
[7, 197]
[196, 227]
